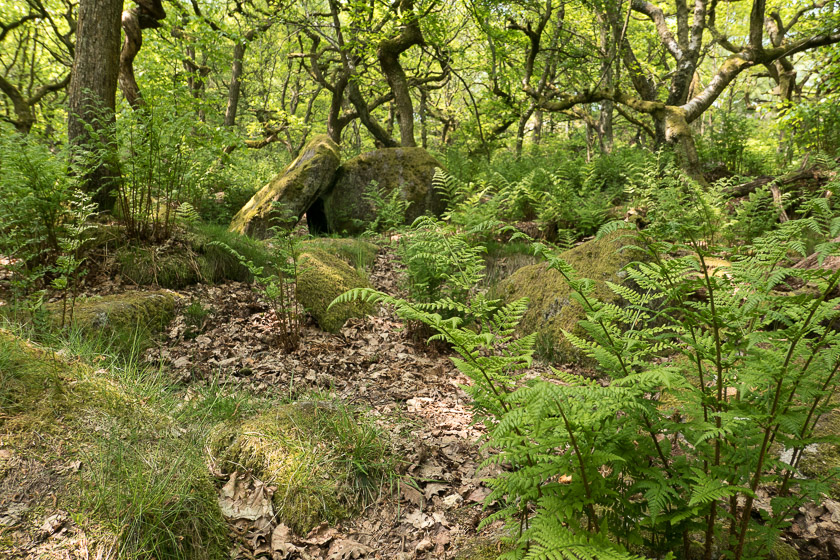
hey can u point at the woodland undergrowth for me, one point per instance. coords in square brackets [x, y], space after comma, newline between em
[707, 371]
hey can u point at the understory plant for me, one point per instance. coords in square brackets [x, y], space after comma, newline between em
[389, 208]
[708, 371]
[275, 282]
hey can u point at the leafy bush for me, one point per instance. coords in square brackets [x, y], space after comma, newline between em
[34, 195]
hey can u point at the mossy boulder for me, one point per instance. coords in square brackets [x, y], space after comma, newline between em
[303, 449]
[295, 189]
[150, 310]
[551, 309]
[322, 277]
[822, 460]
[357, 253]
[343, 209]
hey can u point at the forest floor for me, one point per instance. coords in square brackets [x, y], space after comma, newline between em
[412, 390]
[429, 510]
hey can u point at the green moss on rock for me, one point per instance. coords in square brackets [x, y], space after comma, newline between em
[551, 309]
[150, 310]
[822, 460]
[322, 277]
[189, 257]
[357, 253]
[408, 169]
[297, 449]
[783, 551]
[295, 189]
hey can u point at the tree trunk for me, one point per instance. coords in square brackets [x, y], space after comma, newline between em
[146, 16]
[388, 53]
[92, 96]
[235, 83]
[677, 134]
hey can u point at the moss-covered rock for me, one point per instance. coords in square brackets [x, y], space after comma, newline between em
[783, 551]
[551, 309]
[150, 310]
[322, 277]
[295, 189]
[822, 460]
[301, 449]
[357, 253]
[343, 208]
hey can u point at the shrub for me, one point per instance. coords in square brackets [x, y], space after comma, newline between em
[34, 196]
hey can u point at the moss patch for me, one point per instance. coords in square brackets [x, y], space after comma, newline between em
[357, 253]
[141, 483]
[190, 257]
[322, 277]
[150, 310]
[309, 451]
[551, 309]
[295, 189]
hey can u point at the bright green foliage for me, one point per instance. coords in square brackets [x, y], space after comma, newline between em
[701, 388]
[710, 370]
[441, 262]
[569, 195]
[34, 198]
[389, 209]
[167, 171]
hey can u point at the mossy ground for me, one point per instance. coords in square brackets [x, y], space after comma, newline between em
[152, 310]
[324, 459]
[141, 483]
[357, 253]
[551, 308]
[322, 277]
[191, 256]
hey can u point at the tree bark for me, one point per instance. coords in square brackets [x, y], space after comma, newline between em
[235, 86]
[389, 52]
[92, 96]
[147, 15]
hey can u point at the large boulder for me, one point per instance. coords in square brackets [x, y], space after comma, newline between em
[551, 310]
[321, 278]
[295, 188]
[344, 208]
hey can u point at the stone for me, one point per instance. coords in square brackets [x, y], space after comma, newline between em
[295, 188]
[151, 310]
[343, 208]
[551, 310]
[322, 277]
